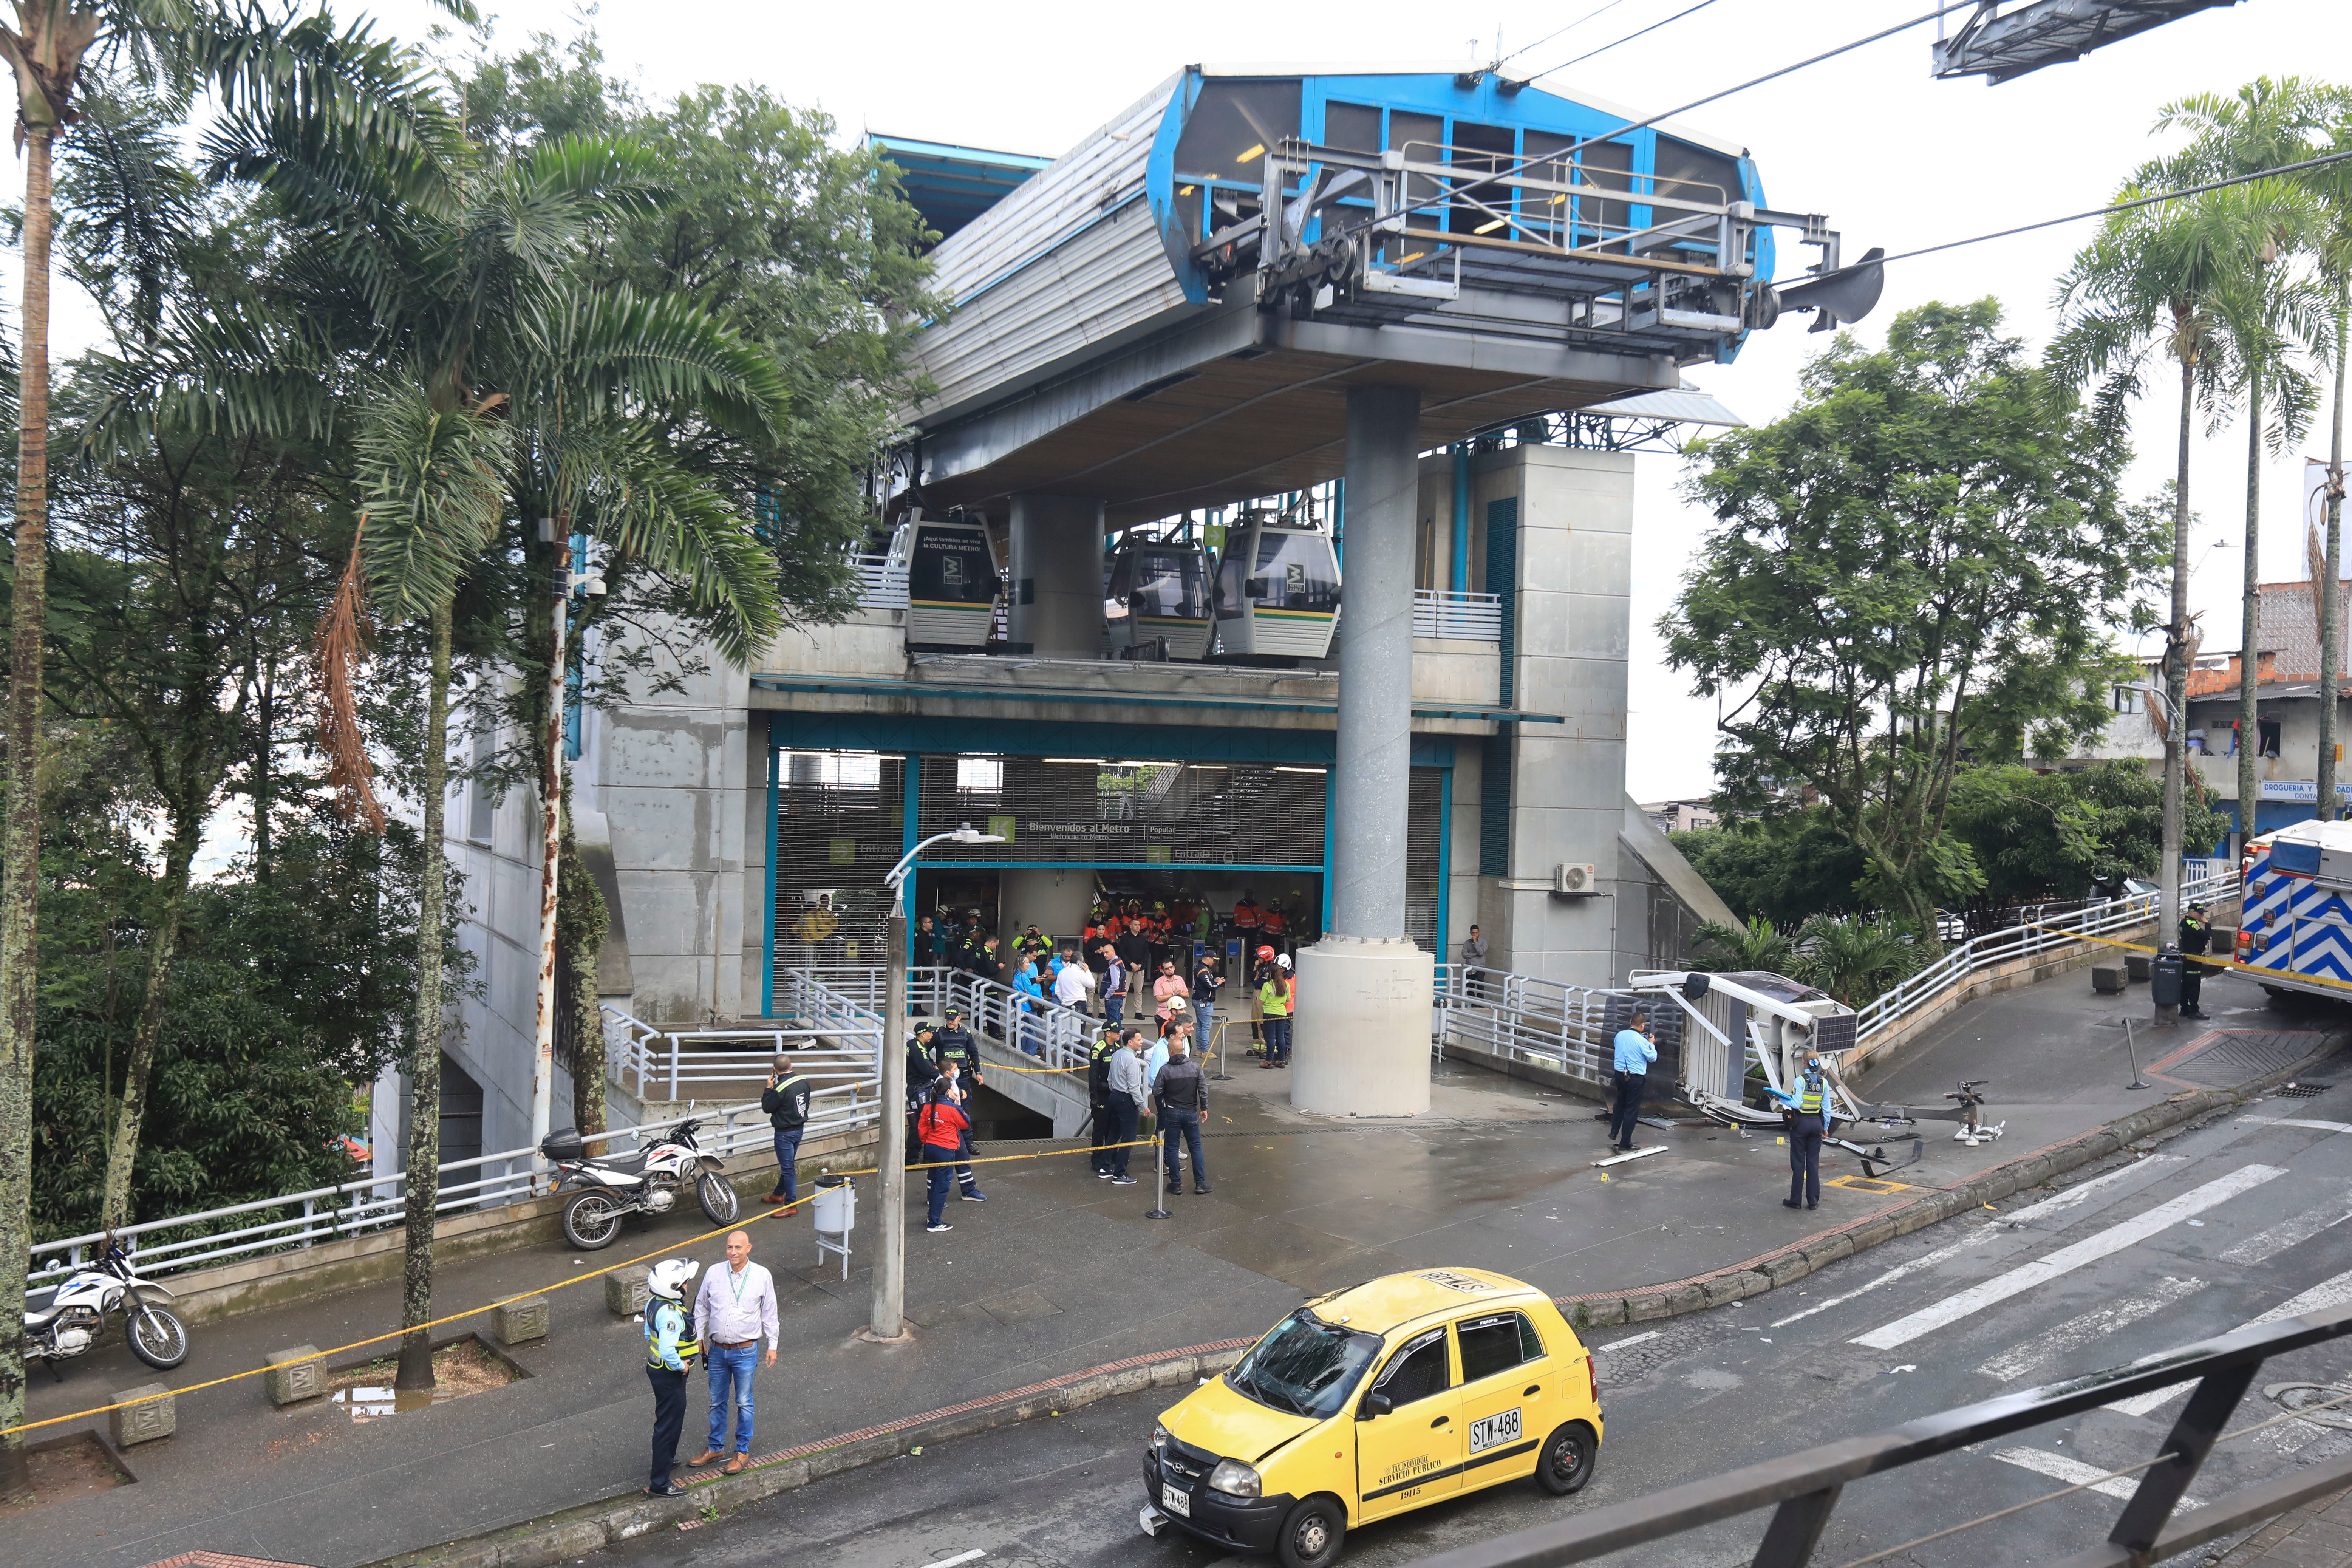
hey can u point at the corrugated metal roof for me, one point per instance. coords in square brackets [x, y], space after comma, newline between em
[1687, 406]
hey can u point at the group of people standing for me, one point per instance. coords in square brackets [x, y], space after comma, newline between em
[1128, 1078]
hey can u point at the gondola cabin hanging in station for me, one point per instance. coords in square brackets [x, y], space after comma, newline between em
[951, 580]
[1156, 600]
[1277, 590]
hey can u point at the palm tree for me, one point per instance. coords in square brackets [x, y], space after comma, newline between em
[1854, 959]
[1754, 946]
[2263, 125]
[348, 92]
[2153, 282]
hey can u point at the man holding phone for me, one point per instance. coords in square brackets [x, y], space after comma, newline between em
[786, 1102]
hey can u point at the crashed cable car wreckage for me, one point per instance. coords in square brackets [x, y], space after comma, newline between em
[1747, 1021]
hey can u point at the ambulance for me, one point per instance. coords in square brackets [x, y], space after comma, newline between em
[1371, 1402]
[2296, 933]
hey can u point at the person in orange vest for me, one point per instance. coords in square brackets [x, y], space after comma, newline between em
[1274, 924]
[1246, 916]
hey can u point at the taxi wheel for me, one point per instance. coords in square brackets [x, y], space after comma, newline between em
[1567, 1462]
[1311, 1535]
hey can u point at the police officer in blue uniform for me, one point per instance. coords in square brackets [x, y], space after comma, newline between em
[1807, 1118]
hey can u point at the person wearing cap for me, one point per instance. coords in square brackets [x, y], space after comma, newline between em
[2195, 936]
[1806, 1109]
[954, 1043]
[670, 1351]
[1205, 983]
[1098, 1106]
[921, 1073]
[1033, 943]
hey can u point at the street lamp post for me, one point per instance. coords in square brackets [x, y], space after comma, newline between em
[889, 1323]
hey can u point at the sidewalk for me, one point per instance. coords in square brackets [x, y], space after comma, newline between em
[1060, 1272]
[2317, 1535]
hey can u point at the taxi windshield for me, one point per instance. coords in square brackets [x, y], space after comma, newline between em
[1304, 1366]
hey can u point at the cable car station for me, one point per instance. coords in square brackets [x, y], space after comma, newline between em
[1268, 536]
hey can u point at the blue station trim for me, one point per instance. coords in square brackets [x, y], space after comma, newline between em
[841, 688]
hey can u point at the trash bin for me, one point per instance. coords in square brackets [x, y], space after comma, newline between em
[837, 1216]
[2164, 980]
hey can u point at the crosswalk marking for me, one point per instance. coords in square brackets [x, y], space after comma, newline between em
[2290, 1233]
[2074, 1473]
[2106, 1244]
[2321, 1126]
[2328, 1293]
[2042, 1210]
[2020, 1359]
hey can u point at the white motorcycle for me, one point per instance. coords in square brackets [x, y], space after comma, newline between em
[77, 1315]
[608, 1189]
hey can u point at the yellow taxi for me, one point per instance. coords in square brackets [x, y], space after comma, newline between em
[1371, 1402]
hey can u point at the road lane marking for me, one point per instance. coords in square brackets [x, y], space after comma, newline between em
[2076, 1473]
[2321, 1126]
[2290, 1233]
[2326, 1294]
[1629, 1339]
[2106, 1244]
[2020, 1359]
[2042, 1210]
[972, 1556]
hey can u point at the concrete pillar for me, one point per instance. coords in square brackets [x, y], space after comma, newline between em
[1058, 555]
[1363, 1036]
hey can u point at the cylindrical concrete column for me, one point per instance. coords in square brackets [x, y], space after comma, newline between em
[1057, 556]
[1361, 1036]
[1375, 741]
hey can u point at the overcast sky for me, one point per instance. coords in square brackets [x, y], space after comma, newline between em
[1894, 157]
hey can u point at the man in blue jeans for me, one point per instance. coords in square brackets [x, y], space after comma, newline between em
[1634, 1054]
[1183, 1099]
[786, 1102]
[735, 1309]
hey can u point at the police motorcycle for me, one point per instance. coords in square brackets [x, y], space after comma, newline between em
[77, 1315]
[609, 1188]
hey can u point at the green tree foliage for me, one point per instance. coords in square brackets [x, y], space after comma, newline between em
[1756, 946]
[1920, 564]
[1781, 869]
[2068, 835]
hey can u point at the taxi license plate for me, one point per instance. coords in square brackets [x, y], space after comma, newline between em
[1175, 1502]
[1493, 1431]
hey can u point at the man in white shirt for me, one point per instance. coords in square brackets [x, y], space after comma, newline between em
[1071, 985]
[735, 1307]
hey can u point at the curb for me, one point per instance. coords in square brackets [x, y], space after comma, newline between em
[1786, 1264]
[591, 1527]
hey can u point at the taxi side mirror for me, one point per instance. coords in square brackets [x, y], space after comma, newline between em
[1377, 1404]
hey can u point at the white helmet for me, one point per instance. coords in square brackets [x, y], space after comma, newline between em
[1283, 962]
[668, 1279]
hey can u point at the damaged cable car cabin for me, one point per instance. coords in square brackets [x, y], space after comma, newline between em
[1171, 314]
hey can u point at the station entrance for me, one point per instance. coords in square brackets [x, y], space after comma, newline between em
[1185, 835]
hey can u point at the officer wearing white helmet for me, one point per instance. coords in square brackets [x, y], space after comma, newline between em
[671, 1348]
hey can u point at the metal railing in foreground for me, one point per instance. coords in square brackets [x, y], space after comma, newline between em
[1505, 1015]
[1961, 963]
[848, 1100]
[1803, 1489]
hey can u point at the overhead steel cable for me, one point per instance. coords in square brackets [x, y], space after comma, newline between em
[1628, 39]
[1501, 59]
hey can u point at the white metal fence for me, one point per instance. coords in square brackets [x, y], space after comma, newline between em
[880, 584]
[1518, 1015]
[732, 1126]
[1057, 1036]
[830, 1036]
[1466, 617]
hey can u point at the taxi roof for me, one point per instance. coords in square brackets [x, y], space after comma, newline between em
[1378, 1306]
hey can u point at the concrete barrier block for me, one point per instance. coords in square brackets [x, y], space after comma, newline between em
[520, 1322]
[2136, 966]
[2108, 980]
[624, 1290]
[146, 1415]
[294, 1375]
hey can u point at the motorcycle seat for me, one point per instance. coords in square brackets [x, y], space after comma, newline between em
[623, 1164]
[40, 1317]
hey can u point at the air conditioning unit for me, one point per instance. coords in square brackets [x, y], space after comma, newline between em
[1573, 880]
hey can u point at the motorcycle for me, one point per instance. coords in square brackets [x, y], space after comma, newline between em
[77, 1315]
[609, 1188]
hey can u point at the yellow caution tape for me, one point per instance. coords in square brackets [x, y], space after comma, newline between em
[2216, 963]
[544, 1290]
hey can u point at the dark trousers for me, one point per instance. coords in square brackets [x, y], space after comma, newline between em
[1124, 1116]
[1805, 1159]
[1631, 1086]
[941, 1160]
[2192, 984]
[1104, 1134]
[1181, 1129]
[1278, 1038]
[788, 1159]
[669, 1419]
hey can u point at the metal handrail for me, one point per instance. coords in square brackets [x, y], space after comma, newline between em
[1503, 1013]
[1463, 617]
[1802, 1489]
[881, 584]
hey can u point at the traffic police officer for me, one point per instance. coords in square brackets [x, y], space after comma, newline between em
[2195, 936]
[954, 1043]
[1098, 1099]
[671, 1348]
[1808, 1119]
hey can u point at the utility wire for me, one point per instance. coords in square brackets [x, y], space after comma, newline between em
[2320, 162]
[1555, 33]
[1628, 39]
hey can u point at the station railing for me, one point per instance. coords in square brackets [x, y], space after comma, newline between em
[1803, 1490]
[1463, 617]
[880, 584]
[830, 1036]
[1508, 1014]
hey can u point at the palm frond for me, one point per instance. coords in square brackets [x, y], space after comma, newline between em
[434, 483]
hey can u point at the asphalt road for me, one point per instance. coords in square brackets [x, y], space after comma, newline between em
[2212, 1229]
